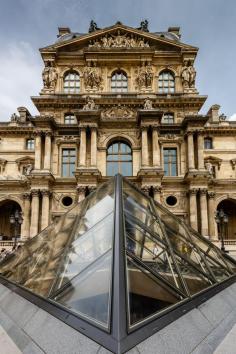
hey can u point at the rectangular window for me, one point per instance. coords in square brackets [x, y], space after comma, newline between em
[168, 118]
[68, 162]
[208, 143]
[170, 161]
[70, 119]
[30, 144]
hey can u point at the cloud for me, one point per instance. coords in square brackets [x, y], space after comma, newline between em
[233, 117]
[20, 77]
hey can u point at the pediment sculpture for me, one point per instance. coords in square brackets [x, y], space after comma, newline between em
[119, 41]
[118, 112]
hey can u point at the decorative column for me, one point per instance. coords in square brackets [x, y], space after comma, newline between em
[45, 208]
[193, 208]
[191, 162]
[200, 151]
[204, 212]
[38, 151]
[25, 229]
[47, 151]
[94, 146]
[144, 146]
[211, 214]
[81, 193]
[82, 151]
[34, 213]
[155, 147]
[157, 194]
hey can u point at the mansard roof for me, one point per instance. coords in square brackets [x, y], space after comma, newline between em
[166, 38]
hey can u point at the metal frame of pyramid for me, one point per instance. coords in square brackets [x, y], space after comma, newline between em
[146, 291]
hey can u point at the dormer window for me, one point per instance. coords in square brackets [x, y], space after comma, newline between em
[166, 82]
[119, 82]
[72, 82]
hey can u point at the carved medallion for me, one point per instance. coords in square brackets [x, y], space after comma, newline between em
[118, 112]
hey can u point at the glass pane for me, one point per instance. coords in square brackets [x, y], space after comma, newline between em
[89, 292]
[146, 295]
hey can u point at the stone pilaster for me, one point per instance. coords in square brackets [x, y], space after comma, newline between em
[38, 151]
[47, 151]
[45, 208]
[93, 146]
[211, 214]
[144, 147]
[193, 208]
[81, 193]
[25, 228]
[157, 193]
[34, 213]
[191, 162]
[200, 142]
[204, 212]
[155, 147]
[82, 150]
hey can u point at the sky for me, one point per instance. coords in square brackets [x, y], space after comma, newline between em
[26, 25]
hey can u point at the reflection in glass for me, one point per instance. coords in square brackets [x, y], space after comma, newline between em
[146, 295]
[89, 292]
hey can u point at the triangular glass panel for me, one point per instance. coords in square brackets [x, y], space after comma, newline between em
[89, 293]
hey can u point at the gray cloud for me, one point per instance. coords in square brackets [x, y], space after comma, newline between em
[28, 25]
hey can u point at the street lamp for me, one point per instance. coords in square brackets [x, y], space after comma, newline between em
[16, 219]
[222, 220]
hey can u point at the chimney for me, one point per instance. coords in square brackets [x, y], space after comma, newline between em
[214, 113]
[175, 30]
[24, 114]
[63, 30]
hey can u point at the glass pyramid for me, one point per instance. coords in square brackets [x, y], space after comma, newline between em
[116, 263]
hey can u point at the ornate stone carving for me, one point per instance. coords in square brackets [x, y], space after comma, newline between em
[15, 118]
[147, 104]
[233, 163]
[203, 191]
[119, 41]
[3, 163]
[90, 104]
[211, 195]
[92, 77]
[145, 189]
[193, 191]
[65, 139]
[144, 76]
[209, 168]
[49, 75]
[27, 169]
[118, 112]
[188, 75]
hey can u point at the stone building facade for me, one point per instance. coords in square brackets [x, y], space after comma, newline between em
[118, 99]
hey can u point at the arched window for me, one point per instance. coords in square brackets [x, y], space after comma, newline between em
[119, 159]
[168, 118]
[119, 82]
[72, 82]
[69, 118]
[166, 82]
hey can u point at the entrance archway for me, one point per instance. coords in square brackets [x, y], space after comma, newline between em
[229, 207]
[7, 230]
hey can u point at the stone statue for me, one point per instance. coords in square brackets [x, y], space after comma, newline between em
[209, 168]
[188, 75]
[49, 75]
[92, 76]
[147, 104]
[14, 118]
[119, 41]
[144, 26]
[144, 76]
[90, 104]
[28, 169]
[93, 27]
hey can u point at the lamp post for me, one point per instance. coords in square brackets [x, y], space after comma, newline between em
[222, 220]
[16, 219]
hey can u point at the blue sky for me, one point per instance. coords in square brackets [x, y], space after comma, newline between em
[28, 25]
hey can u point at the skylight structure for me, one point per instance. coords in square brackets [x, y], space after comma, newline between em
[117, 265]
